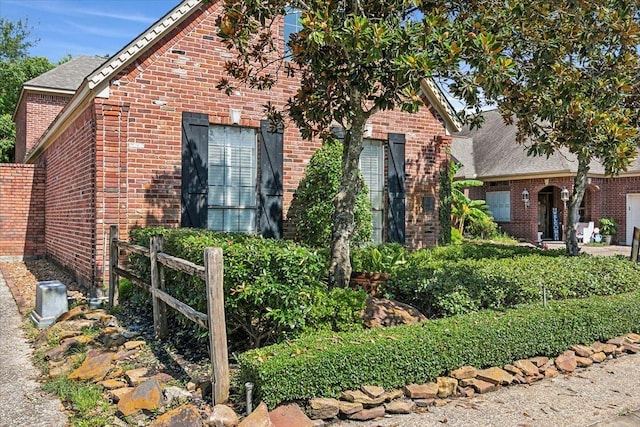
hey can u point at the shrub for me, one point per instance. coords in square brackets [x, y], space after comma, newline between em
[382, 258]
[272, 287]
[311, 212]
[326, 364]
[483, 227]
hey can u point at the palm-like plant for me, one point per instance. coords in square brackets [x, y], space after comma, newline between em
[464, 209]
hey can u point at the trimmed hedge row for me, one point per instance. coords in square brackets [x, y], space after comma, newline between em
[326, 364]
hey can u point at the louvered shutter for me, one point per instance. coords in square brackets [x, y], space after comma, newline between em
[195, 128]
[271, 192]
[397, 190]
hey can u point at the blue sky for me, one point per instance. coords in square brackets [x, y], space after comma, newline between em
[84, 27]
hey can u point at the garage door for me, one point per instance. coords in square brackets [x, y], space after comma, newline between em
[633, 215]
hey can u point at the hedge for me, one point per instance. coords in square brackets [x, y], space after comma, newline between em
[326, 364]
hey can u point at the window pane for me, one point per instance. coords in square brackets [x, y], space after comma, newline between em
[499, 203]
[372, 167]
[291, 26]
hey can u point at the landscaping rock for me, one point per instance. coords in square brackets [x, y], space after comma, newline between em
[323, 408]
[359, 397]
[62, 367]
[113, 384]
[63, 335]
[481, 386]
[605, 348]
[464, 373]
[582, 350]
[372, 391]
[495, 375]
[393, 395]
[176, 394]
[424, 403]
[421, 391]
[539, 360]
[527, 367]
[289, 416]
[116, 394]
[551, 373]
[183, 416]
[583, 362]
[633, 338]
[147, 395]
[258, 418]
[400, 406]
[75, 325]
[94, 368]
[348, 408]
[598, 357]
[514, 371]
[466, 391]
[381, 312]
[136, 376]
[566, 362]
[131, 345]
[368, 414]
[630, 348]
[617, 341]
[446, 386]
[223, 416]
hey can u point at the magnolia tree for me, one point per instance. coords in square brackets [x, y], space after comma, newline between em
[575, 83]
[353, 59]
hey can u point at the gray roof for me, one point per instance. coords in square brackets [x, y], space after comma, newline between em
[494, 153]
[67, 76]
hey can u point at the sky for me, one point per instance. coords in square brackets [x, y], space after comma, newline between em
[84, 27]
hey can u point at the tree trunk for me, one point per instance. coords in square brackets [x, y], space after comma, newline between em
[579, 188]
[344, 202]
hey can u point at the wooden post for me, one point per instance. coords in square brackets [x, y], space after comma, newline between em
[217, 325]
[113, 263]
[159, 307]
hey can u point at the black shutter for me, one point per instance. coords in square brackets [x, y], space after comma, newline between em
[195, 138]
[338, 132]
[271, 192]
[397, 190]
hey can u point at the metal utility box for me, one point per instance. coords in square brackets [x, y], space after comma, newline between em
[51, 303]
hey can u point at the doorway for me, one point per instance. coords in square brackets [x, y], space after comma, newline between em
[549, 214]
[633, 215]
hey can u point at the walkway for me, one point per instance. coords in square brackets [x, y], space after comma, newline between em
[22, 403]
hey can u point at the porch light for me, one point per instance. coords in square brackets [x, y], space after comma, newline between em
[564, 195]
[368, 130]
[525, 198]
[235, 115]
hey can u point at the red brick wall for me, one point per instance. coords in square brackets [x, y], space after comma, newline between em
[70, 203]
[35, 114]
[614, 202]
[21, 210]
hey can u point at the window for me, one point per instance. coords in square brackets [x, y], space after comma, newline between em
[372, 167]
[499, 203]
[291, 26]
[232, 170]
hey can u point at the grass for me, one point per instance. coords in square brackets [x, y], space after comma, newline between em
[90, 408]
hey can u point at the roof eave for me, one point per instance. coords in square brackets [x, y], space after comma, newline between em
[438, 100]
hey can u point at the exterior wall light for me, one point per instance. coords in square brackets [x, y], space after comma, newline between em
[235, 115]
[368, 130]
[564, 195]
[525, 198]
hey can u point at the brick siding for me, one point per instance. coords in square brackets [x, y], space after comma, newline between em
[22, 211]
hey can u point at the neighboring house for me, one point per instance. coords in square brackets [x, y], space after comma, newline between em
[147, 139]
[492, 155]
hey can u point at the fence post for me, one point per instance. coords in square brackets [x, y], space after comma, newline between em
[113, 263]
[217, 325]
[157, 276]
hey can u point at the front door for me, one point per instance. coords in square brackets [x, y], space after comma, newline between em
[633, 215]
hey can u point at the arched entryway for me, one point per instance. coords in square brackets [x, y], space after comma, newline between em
[550, 212]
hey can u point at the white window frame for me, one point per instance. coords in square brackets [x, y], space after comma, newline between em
[290, 27]
[499, 203]
[375, 183]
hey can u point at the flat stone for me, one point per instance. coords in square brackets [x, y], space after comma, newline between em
[136, 376]
[598, 357]
[583, 362]
[539, 360]
[424, 403]
[62, 367]
[481, 386]
[95, 314]
[605, 348]
[393, 395]
[533, 378]
[359, 397]
[63, 335]
[421, 391]
[630, 348]
[318, 423]
[368, 414]
[112, 340]
[400, 406]
[582, 350]
[130, 345]
[78, 340]
[441, 402]
[633, 338]
[372, 391]
[381, 312]
[176, 394]
[113, 384]
[495, 375]
[527, 367]
[123, 355]
[258, 418]
[76, 311]
[513, 370]
[323, 408]
[616, 341]
[446, 386]
[551, 363]
[466, 391]
[289, 416]
[464, 372]
[566, 362]
[109, 320]
[348, 408]
[519, 379]
[115, 373]
[551, 373]
[94, 368]
[147, 395]
[116, 394]
[223, 416]
[182, 416]
[163, 377]
[466, 382]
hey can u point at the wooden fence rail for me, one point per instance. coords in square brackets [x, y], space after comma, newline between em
[211, 273]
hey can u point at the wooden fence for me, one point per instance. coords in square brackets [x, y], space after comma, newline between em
[211, 273]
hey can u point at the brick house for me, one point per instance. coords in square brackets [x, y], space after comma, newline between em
[492, 155]
[146, 139]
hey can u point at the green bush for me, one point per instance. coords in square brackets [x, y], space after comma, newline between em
[382, 258]
[326, 364]
[482, 228]
[272, 287]
[467, 278]
[312, 208]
